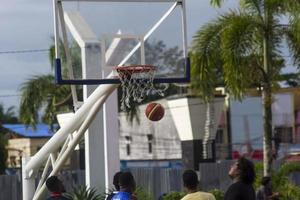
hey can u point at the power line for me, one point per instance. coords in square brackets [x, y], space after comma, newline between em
[24, 51]
[9, 95]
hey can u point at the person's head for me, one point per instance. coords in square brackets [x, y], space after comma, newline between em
[190, 179]
[116, 180]
[54, 184]
[126, 182]
[243, 170]
[266, 180]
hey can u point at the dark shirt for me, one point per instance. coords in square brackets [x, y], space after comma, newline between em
[240, 191]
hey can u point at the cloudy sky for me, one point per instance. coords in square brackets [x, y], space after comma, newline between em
[28, 25]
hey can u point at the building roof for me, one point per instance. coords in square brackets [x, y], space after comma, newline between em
[42, 130]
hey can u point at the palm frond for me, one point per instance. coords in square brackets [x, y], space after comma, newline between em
[255, 7]
[205, 57]
[238, 41]
[216, 3]
[37, 92]
[84, 193]
[293, 39]
[279, 7]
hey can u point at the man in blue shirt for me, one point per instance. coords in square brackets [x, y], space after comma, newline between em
[127, 187]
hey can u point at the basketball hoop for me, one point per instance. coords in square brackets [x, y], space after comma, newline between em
[136, 83]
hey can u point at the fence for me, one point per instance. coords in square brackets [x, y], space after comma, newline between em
[155, 181]
[11, 188]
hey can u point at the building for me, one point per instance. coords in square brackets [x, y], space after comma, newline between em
[247, 123]
[25, 141]
[180, 133]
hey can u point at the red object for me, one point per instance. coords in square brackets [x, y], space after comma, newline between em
[257, 155]
[235, 155]
[154, 111]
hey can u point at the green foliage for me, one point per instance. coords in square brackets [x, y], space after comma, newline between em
[3, 153]
[142, 194]
[219, 194]
[7, 116]
[174, 196]
[245, 45]
[41, 92]
[84, 193]
[280, 180]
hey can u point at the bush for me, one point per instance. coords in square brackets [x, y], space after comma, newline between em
[280, 180]
[174, 196]
[142, 194]
[219, 194]
[84, 193]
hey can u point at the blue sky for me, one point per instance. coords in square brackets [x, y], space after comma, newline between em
[28, 24]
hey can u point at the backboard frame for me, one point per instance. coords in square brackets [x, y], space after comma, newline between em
[58, 19]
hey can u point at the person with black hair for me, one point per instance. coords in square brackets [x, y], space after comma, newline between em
[265, 191]
[191, 183]
[242, 173]
[127, 187]
[116, 184]
[56, 188]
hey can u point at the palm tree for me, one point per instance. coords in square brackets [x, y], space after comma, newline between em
[246, 45]
[7, 116]
[40, 92]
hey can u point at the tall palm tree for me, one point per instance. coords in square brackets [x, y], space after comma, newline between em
[246, 45]
[40, 92]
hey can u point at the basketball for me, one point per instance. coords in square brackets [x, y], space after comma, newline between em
[154, 111]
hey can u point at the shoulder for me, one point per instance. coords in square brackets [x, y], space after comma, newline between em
[207, 195]
[199, 196]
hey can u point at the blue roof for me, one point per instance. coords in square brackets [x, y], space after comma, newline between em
[42, 130]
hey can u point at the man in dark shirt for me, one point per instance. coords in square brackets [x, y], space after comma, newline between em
[243, 174]
[56, 188]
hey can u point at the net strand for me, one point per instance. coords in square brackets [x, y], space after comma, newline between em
[137, 83]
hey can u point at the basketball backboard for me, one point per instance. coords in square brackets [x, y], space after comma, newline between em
[130, 32]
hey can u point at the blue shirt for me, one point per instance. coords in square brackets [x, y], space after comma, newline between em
[122, 196]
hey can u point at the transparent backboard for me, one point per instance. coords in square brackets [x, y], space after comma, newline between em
[129, 33]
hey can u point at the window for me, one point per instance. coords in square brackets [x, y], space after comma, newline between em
[219, 136]
[150, 140]
[128, 142]
[284, 134]
[13, 162]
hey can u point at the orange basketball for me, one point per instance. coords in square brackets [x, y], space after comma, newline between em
[154, 111]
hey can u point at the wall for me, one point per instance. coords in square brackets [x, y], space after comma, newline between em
[19, 147]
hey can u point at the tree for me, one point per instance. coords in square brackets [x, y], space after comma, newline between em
[40, 92]
[245, 45]
[6, 116]
[281, 180]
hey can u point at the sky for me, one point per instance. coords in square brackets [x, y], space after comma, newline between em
[28, 25]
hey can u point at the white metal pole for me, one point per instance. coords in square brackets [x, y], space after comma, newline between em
[28, 183]
[56, 29]
[77, 137]
[59, 137]
[184, 29]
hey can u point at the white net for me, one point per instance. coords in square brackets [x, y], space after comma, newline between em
[136, 83]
